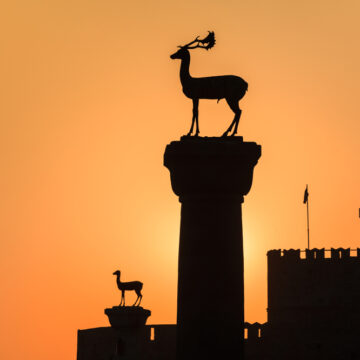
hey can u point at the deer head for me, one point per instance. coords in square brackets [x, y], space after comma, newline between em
[207, 43]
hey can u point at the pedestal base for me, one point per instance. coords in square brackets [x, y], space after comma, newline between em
[127, 316]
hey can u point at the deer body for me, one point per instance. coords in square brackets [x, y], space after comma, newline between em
[214, 87]
[127, 286]
[229, 87]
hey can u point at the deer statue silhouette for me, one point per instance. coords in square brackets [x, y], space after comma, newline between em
[230, 87]
[127, 286]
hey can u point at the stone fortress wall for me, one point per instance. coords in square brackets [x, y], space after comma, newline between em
[313, 286]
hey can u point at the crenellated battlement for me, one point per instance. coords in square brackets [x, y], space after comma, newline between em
[313, 254]
[311, 283]
[254, 331]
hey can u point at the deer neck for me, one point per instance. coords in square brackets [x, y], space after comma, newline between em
[118, 282]
[184, 69]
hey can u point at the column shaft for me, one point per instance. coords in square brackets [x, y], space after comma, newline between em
[210, 284]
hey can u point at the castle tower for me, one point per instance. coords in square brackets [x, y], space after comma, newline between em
[307, 289]
[313, 303]
[211, 177]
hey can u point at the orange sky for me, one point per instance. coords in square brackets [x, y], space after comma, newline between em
[89, 100]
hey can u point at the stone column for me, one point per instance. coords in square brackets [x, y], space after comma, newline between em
[211, 176]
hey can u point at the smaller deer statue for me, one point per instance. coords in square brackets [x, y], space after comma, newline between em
[127, 286]
[230, 87]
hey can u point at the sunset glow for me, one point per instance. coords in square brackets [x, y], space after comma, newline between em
[90, 98]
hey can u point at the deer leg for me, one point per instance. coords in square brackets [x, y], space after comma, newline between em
[237, 123]
[229, 129]
[194, 118]
[192, 126]
[139, 297]
[234, 106]
[122, 303]
[196, 115]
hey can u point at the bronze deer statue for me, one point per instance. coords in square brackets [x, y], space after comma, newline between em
[127, 286]
[230, 87]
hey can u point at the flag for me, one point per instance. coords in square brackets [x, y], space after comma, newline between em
[306, 195]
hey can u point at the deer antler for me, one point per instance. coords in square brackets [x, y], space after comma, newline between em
[190, 43]
[209, 40]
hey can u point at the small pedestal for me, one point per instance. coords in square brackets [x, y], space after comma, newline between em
[127, 316]
[127, 338]
[211, 177]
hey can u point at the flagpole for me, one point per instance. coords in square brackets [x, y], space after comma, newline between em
[306, 201]
[308, 231]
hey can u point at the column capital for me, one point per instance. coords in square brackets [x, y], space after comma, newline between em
[206, 168]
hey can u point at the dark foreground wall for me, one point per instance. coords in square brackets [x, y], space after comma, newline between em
[152, 342]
